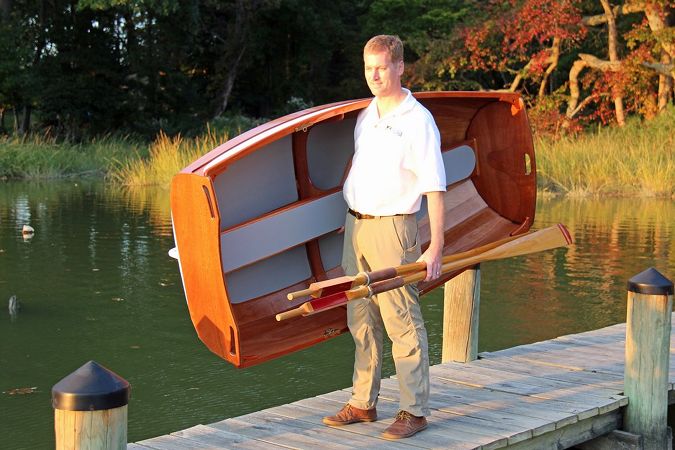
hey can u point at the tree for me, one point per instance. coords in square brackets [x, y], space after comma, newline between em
[22, 41]
[647, 46]
[303, 53]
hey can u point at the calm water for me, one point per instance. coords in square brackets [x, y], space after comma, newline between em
[95, 282]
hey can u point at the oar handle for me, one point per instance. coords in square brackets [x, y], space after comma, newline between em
[301, 310]
[289, 314]
[298, 294]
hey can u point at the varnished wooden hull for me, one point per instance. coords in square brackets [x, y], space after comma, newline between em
[258, 216]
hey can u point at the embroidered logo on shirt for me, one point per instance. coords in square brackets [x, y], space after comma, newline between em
[395, 131]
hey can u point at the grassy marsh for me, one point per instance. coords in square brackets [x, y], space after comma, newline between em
[636, 160]
[166, 157]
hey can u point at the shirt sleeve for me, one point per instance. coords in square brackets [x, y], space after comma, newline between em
[427, 162]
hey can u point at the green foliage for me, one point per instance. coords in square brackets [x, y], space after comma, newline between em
[304, 49]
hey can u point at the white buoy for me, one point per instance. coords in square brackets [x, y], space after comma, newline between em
[27, 229]
[13, 307]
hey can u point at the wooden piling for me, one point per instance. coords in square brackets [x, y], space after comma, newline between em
[461, 302]
[648, 327]
[90, 409]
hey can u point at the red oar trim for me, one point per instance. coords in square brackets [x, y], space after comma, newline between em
[325, 303]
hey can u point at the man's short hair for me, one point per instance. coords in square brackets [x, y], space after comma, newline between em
[386, 43]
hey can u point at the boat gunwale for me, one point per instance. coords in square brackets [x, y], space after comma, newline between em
[216, 161]
[212, 163]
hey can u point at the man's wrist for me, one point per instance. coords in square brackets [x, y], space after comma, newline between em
[435, 247]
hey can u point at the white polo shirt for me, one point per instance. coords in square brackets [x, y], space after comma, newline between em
[397, 158]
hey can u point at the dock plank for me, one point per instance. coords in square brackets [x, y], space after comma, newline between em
[585, 377]
[173, 442]
[278, 430]
[530, 407]
[500, 380]
[215, 438]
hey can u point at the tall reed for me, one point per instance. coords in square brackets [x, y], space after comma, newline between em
[637, 159]
[167, 156]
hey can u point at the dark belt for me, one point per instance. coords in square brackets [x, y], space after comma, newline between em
[359, 216]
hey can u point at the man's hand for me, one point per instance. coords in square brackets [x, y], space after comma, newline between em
[433, 258]
[434, 254]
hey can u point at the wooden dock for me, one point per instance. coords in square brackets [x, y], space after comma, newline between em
[551, 394]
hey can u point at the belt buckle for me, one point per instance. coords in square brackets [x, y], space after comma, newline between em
[358, 215]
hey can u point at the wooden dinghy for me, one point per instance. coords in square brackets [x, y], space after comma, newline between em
[259, 216]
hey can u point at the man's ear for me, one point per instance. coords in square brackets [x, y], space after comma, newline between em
[401, 67]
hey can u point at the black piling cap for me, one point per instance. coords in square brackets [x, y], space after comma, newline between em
[650, 282]
[92, 387]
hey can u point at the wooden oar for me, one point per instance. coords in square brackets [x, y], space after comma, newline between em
[345, 283]
[545, 239]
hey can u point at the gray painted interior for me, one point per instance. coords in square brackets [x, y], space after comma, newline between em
[257, 184]
[459, 163]
[252, 281]
[331, 249]
[330, 146]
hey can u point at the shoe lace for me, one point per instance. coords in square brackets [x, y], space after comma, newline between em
[403, 415]
[346, 410]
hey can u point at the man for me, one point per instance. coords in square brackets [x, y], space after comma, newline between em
[397, 159]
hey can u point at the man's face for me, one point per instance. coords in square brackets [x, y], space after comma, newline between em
[382, 75]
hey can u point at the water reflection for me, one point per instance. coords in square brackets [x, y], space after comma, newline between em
[581, 287]
[95, 282]
[151, 200]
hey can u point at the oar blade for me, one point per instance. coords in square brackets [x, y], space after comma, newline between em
[341, 287]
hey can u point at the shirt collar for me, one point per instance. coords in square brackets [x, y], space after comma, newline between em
[402, 108]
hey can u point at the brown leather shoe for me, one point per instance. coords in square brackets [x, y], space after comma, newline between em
[349, 414]
[405, 426]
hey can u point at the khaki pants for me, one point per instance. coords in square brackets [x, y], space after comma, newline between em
[372, 244]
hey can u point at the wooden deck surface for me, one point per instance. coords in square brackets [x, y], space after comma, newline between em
[550, 394]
